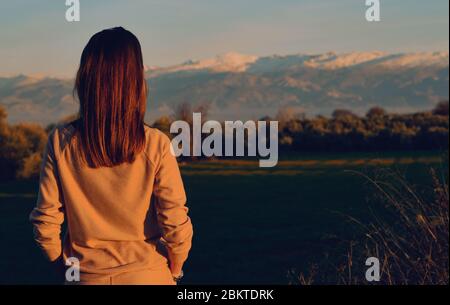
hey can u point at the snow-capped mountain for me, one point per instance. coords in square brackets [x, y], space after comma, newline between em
[236, 62]
[238, 86]
[228, 62]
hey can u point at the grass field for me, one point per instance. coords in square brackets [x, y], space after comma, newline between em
[251, 225]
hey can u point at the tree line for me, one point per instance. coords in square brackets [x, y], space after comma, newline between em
[22, 145]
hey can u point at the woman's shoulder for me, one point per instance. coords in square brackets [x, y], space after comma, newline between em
[158, 142]
[155, 135]
[61, 135]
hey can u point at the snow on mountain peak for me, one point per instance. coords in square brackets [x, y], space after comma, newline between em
[236, 62]
[227, 62]
[410, 60]
[333, 61]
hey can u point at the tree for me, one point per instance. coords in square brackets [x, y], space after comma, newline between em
[441, 108]
[287, 114]
[3, 115]
[3, 124]
[20, 148]
[163, 124]
[30, 166]
[376, 112]
[343, 113]
[183, 112]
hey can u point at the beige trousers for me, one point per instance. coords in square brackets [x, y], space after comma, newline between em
[160, 276]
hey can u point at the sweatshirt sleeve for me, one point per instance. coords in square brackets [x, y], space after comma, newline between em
[48, 216]
[170, 200]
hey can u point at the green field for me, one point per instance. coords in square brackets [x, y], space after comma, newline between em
[251, 225]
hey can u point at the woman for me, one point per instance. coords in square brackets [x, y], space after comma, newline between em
[112, 178]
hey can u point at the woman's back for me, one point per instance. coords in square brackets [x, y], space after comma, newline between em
[114, 179]
[112, 212]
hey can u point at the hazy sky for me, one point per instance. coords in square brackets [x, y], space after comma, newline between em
[35, 38]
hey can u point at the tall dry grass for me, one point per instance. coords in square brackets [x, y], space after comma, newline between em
[408, 233]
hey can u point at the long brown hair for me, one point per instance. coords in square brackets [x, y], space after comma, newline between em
[112, 91]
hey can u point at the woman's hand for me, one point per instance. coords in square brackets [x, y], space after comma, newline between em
[175, 268]
[58, 268]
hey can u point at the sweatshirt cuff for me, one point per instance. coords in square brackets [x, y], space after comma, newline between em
[178, 257]
[53, 253]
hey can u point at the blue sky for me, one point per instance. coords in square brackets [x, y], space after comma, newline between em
[35, 38]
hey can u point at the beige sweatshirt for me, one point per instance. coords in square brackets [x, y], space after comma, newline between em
[115, 216]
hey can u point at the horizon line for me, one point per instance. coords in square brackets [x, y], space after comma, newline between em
[43, 75]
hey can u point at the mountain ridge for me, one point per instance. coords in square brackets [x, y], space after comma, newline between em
[239, 86]
[237, 62]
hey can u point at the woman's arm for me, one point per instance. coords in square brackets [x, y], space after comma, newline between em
[48, 216]
[170, 200]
